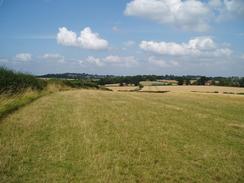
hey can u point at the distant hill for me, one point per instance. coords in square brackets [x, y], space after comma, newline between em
[74, 76]
[98, 76]
[181, 80]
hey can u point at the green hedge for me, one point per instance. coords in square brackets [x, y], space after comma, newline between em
[14, 82]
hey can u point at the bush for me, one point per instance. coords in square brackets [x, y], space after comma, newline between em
[14, 82]
[81, 84]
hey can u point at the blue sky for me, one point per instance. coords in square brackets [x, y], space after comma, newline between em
[123, 37]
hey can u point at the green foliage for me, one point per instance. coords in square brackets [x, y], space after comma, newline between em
[202, 80]
[241, 82]
[140, 86]
[14, 82]
[135, 80]
[81, 83]
[180, 81]
[127, 79]
[199, 80]
[188, 81]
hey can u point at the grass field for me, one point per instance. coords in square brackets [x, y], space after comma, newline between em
[10, 103]
[102, 136]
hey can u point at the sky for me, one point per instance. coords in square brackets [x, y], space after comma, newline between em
[123, 37]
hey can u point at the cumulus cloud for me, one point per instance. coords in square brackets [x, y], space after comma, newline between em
[169, 48]
[190, 15]
[94, 60]
[66, 37]
[90, 40]
[86, 40]
[123, 61]
[227, 9]
[162, 63]
[113, 60]
[215, 3]
[23, 57]
[199, 46]
[187, 15]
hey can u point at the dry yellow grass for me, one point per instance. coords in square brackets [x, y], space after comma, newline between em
[9, 103]
[204, 89]
[99, 136]
[123, 88]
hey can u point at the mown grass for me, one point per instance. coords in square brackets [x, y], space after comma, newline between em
[98, 136]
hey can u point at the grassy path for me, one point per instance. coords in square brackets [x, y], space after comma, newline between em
[97, 136]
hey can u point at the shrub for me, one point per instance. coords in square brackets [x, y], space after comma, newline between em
[14, 82]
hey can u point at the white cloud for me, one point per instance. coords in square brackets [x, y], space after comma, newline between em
[66, 37]
[199, 46]
[94, 60]
[193, 15]
[23, 57]
[122, 61]
[169, 48]
[215, 3]
[53, 57]
[162, 63]
[222, 52]
[201, 43]
[87, 39]
[231, 9]
[187, 15]
[112, 60]
[90, 40]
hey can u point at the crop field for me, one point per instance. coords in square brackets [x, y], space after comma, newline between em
[200, 89]
[151, 83]
[103, 136]
[122, 88]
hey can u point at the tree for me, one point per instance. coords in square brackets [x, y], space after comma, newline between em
[202, 80]
[180, 81]
[241, 82]
[188, 81]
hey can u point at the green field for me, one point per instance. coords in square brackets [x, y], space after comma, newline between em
[102, 136]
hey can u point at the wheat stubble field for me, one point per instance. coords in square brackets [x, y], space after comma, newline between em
[200, 89]
[101, 136]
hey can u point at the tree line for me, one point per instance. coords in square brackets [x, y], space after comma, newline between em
[182, 80]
